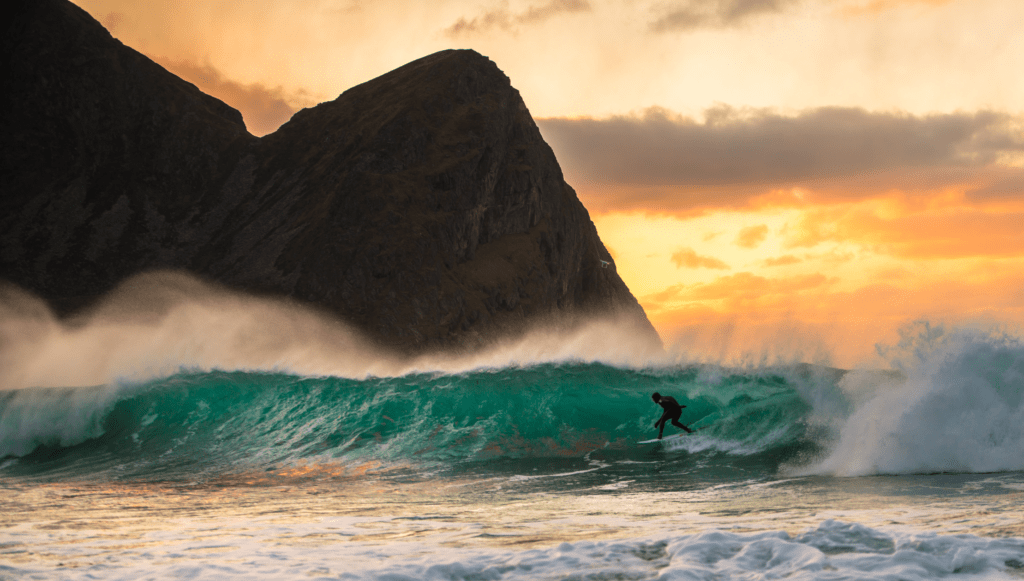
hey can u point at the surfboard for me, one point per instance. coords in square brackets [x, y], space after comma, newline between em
[669, 438]
[666, 439]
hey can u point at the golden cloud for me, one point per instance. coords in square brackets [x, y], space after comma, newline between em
[739, 287]
[950, 234]
[752, 236]
[502, 18]
[860, 7]
[687, 257]
[781, 261]
[686, 15]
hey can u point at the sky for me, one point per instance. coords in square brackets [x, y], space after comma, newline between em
[774, 178]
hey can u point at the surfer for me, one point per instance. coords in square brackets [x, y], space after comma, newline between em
[672, 412]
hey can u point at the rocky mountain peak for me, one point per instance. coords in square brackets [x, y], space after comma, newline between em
[423, 206]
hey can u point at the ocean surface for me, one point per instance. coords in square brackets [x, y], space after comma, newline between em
[515, 467]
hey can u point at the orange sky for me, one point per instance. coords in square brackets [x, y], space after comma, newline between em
[775, 178]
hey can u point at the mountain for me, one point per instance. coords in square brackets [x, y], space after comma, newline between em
[422, 206]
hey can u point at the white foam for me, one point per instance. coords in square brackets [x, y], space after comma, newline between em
[956, 406]
[338, 548]
[63, 417]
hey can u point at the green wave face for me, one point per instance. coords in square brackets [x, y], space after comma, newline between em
[552, 416]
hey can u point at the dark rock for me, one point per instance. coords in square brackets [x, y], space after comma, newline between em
[422, 206]
[105, 157]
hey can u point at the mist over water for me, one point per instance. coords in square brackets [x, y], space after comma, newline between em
[158, 324]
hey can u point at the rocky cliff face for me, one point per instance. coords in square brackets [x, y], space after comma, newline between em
[422, 206]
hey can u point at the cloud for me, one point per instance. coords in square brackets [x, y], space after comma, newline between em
[738, 291]
[690, 259]
[262, 108]
[658, 159]
[946, 233]
[503, 18]
[875, 6]
[687, 15]
[781, 261]
[735, 146]
[692, 14]
[654, 300]
[751, 236]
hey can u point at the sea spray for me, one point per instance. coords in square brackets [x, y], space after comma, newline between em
[954, 405]
[158, 324]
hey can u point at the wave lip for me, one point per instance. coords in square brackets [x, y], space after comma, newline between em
[57, 417]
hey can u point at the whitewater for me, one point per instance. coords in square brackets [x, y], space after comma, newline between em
[177, 430]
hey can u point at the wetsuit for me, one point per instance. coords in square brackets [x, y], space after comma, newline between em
[672, 412]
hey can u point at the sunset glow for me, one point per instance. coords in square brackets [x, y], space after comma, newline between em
[773, 178]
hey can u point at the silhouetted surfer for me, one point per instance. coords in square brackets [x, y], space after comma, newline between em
[672, 412]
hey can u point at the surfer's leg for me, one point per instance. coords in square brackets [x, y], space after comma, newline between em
[678, 425]
[661, 423]
[675, 422]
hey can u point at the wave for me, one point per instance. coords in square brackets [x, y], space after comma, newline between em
[189, 378]
[197, 423]
[953, 403]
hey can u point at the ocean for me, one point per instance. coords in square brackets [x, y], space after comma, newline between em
[165, 460]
